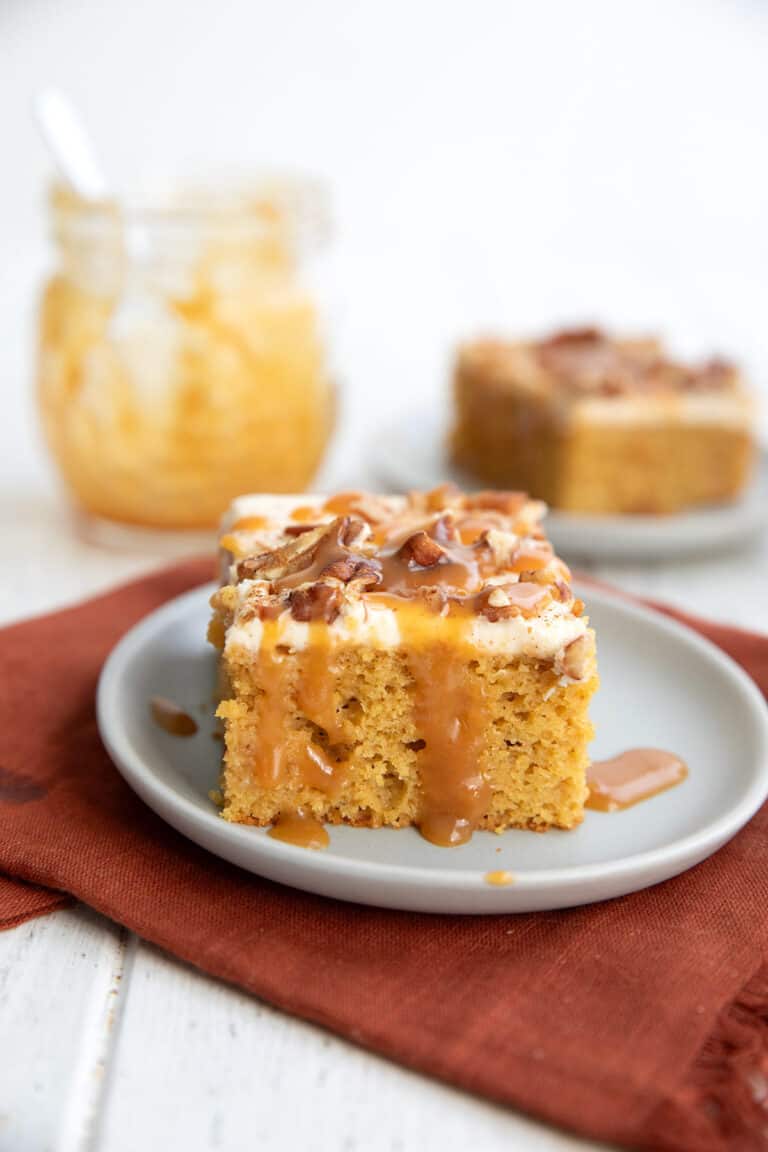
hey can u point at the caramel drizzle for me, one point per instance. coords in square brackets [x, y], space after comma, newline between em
[171, 718]
[315, 692]
[448, 715]
[500, 879]
[300, 828]
[274, 712]
[308, 763]
[461, 569]
[633, 776]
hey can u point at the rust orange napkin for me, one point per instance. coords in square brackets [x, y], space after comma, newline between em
[643, 1020]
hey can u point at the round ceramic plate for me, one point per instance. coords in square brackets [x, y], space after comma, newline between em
[411, 454]
[662, 685]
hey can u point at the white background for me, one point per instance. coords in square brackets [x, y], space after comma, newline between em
[493, 165]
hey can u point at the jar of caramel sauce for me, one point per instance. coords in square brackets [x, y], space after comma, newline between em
[182, 356]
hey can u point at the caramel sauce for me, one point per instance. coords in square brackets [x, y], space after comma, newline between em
[314, 697]
[318, 771]
[500, 879]
[532, 557]
[171, 718]
[329, 551]
[250, 524]
[231, 543]
[344, 503]
[460, 568]
[274, 711]
[449, 716]
[315, 693]
[631, 777]
[305, 513]
[300, 828]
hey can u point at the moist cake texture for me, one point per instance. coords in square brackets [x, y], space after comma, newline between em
[401, 660]
[602, 425]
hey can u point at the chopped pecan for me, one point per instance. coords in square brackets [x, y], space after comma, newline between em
[563, 590]
[575, 658]
[316, 602]
[299, 529]
[494, 604]
[350, 568]
[444, 528]
[498, 598]
[502, 545]
[288, 558]
[522, 599]
[421, 551]
[569, 336]
[352, 529]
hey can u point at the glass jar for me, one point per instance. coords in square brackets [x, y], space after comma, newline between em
[182, 358]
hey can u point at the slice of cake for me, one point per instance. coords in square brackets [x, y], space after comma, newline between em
[595, 424]
[393, 661]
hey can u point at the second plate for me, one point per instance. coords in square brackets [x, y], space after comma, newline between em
[411, 454]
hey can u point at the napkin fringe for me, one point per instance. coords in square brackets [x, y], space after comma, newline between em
[731, 1071]
[722, 1105]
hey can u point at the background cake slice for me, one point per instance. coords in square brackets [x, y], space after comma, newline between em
[594, 424]
[396, 661]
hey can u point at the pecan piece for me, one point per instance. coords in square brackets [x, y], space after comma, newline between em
[421, 551]
[575, 658]
[502, 545]
[444, 528]
[291, 557]
[352, 529]
[569, 336]
[316, 602]
[353, 568]
[494, 604]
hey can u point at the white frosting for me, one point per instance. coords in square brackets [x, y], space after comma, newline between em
[277, 508]
[363, 621]
[732, 409]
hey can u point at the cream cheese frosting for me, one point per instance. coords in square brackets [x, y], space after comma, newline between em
[257, 524]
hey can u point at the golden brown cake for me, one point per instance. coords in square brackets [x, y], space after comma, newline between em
[600, 425]
[401, 660]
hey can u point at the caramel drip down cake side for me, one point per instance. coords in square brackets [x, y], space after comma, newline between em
[401, 660]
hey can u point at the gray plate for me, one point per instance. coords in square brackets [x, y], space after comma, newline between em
[662, 685]
[411, 454]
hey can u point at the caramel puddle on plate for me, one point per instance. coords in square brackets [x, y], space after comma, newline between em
[171, 718]
[632, 776]
[301, 829]
[499, 879]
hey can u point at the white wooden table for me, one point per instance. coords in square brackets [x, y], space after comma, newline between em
[108, 1045]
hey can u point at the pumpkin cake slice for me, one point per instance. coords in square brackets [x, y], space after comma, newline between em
[389, 661]
[600, 425]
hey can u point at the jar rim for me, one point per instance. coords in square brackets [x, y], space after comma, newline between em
[300, 205]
